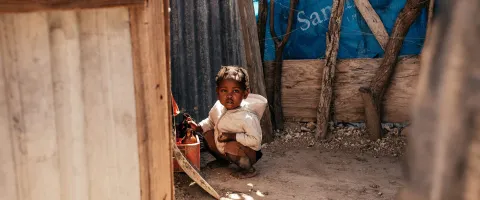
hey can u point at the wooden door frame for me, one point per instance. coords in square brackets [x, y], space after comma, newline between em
[150, 37]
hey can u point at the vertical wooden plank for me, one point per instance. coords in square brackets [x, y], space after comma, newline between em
[8, 183]
[142, 131]
[15, 116]
[109, 104]
[69, 108]
[122, 106]
[31, 102]
[38, 108]
[93, 53]
[150, 40]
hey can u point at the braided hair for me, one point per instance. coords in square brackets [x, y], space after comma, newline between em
[236, 73]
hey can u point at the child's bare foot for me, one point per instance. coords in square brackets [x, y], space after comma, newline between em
[244, 173]
[219, 163]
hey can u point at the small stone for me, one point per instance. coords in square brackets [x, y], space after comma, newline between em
[373, 185]
[380, 193]
[363, 190]
[305, 129]
[297, 135]
[311, 125]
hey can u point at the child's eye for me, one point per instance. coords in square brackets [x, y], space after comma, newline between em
[223, 90]
[236, 91]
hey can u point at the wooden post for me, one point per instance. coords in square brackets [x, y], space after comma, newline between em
[373, 21]
[150, 40]
[326, 93]
[275, 99]
[254, 62]
[431, 5]
[444, 145]
[261, 25]
[372, 96]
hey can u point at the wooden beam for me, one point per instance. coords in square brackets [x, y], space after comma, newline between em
[150, 40]
[254, 62]
[373, 21]
[42, 5]
[326, 93]
[301, 79]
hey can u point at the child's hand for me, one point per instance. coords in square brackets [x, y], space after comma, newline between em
[227, 137]
[194, 126]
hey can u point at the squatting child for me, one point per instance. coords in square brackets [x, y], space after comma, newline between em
[232, 131]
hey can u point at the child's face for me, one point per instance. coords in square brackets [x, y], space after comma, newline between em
[230, 94]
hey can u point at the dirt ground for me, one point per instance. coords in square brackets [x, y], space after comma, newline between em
[294, 166]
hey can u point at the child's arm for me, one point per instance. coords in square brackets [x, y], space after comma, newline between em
[204, 126]
[253, 133]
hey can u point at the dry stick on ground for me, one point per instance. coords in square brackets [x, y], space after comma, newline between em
[254, 62]
[326, 93]
[261, 25]
[372, 96]
[275, 100]
[373, 21]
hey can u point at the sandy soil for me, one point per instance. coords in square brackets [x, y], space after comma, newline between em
[294, 166]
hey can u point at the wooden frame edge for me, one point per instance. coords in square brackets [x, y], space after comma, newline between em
[10, 6]
[150, 33]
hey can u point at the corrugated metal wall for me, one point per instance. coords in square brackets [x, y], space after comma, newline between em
[205, 34]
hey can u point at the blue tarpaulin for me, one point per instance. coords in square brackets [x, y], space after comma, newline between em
[311, 18]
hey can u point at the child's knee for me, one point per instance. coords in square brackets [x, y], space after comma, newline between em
[242, 161]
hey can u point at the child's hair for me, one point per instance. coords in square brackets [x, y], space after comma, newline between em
[236, 73]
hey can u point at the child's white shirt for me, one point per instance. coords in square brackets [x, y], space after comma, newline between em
[245, 121]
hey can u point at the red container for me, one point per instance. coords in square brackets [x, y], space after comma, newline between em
[191, 152]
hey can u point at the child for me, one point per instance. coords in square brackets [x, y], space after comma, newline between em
[232, 130]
